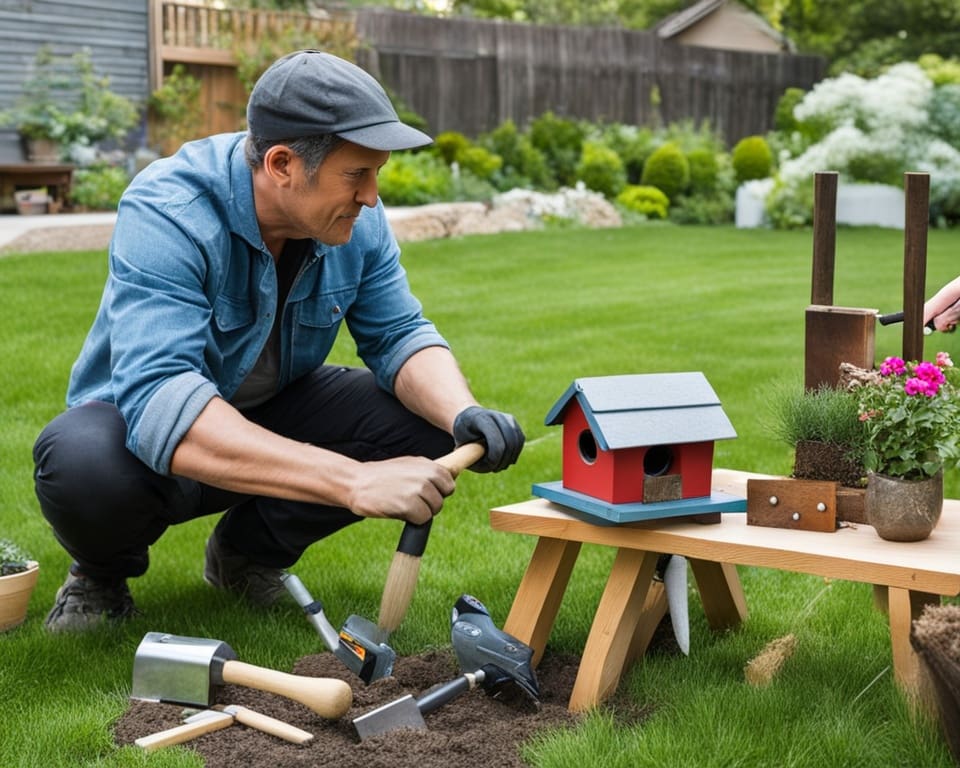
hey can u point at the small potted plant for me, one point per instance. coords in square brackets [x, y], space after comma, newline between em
[18, 577]
[65, 103]
[910, 411]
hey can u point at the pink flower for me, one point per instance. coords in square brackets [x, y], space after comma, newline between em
[893, 366]
[929, 372]
[918, 386]
[943, 360]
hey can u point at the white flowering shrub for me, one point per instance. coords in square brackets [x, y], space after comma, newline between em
[868, 131]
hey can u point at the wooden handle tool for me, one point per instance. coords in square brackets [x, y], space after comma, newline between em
[214, 721]
[267, 724]
[405, 567]
[327, 696]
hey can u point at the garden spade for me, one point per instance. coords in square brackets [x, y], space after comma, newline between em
[186, 670]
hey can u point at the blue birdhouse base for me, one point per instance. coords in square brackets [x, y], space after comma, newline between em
[605, 513]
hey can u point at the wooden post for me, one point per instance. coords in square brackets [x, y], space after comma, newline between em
[834, 335]
[917, 216]
[824, 236]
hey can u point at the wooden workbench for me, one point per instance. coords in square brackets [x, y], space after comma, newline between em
[57, 178]
[910, 574]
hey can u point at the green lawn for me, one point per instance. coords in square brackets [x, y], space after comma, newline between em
[525, 313]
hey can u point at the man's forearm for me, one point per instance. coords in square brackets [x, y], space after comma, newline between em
[431, 385]
[226, 450]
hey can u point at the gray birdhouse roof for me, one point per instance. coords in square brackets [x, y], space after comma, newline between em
[647, 409]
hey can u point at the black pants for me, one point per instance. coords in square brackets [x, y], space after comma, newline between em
[107, 507]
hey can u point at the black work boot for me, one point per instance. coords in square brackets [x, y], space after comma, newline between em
[227, 569]
[83, 604]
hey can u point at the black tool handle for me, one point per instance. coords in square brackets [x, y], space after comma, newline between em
[413, 538]
[897, 317]
[448, 691]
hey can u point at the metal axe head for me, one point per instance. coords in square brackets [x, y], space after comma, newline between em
[401, 713]
[362, 648]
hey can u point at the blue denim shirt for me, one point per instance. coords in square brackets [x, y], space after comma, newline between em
[192, 290]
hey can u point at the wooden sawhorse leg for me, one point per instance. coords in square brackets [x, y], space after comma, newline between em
[623, 614]
[540, 593]
[721, 593]
[904, 606]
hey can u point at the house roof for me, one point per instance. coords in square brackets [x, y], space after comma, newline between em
[636, 410]
[678, 22]
[675, 23]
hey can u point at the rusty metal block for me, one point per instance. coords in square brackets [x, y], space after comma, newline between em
[806, 505]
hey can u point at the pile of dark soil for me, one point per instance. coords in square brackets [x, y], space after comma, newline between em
[814, 460]
[473, 729]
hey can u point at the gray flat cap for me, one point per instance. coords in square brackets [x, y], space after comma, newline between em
[309, 93]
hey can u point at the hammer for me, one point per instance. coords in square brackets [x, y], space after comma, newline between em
[185, 670]
[405, 567]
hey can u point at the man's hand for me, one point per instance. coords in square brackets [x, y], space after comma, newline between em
[409, 488]
[946, 321]
[499, 432]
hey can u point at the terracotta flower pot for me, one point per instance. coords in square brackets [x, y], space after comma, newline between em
[903, 510]
[15, 591]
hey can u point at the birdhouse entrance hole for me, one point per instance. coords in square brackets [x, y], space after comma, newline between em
[588, 447]
[657, 460]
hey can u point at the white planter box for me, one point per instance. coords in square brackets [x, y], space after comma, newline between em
[750, 198]
[878, 205]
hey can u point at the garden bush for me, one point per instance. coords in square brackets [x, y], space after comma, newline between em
[560, 140]
[704, 171]
[479, 161]
[449, 145]
[667, 169]
[783, 117]
[99, 187]
[523, 164]
[752, 159]
[415, 178]
[601, 169]
[632, 143]
[646, 200]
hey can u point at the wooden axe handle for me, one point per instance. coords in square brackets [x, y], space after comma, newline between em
[268, 724]
[462, 457]
[185, 732]
[405, 567]
[326, 696]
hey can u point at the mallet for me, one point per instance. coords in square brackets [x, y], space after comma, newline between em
[405, 567]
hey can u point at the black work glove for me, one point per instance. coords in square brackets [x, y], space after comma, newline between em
[499, 432]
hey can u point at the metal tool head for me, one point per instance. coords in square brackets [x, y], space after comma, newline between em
[360, 644]
[479, 644]
[183, 670]
[362, 648]
[401, 713]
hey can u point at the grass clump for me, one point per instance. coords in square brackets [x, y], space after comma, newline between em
[826, 415]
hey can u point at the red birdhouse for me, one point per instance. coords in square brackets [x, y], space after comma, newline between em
[643, 439]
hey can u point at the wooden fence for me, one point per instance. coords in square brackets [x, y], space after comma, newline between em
[471, 75]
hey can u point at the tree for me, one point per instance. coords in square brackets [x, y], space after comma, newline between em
[865, 35]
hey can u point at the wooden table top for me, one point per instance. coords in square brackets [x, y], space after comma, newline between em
[855, 553]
